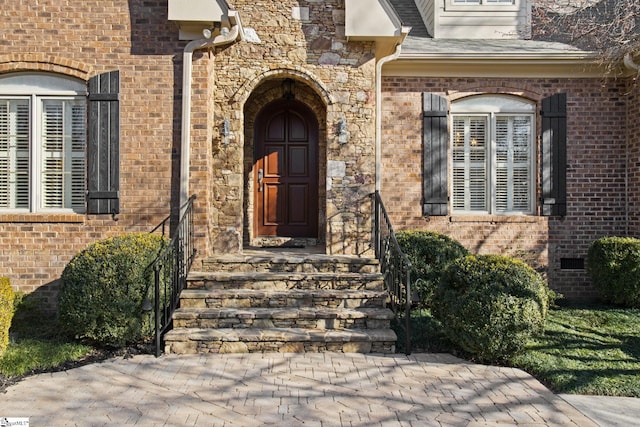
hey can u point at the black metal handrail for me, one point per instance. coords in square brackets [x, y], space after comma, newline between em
[394, 265]
[170, 270]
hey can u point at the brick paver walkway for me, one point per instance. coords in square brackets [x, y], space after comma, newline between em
[312, 389]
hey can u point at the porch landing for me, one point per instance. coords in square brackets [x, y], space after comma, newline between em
[283, 300]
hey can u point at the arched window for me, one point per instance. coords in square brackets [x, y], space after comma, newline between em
[59, 145]
[42, 143]
[492, 155]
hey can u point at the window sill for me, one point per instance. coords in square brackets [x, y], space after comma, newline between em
[515, 6]
[498, 219]
[482, 8]
[41, 218]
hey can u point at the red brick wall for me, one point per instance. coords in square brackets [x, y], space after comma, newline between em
[595, 174]
[82, 39]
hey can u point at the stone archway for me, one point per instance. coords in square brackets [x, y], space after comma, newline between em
[271, 89]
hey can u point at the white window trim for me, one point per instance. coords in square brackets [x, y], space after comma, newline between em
[483, 6]
[38, 87]
[492, 106]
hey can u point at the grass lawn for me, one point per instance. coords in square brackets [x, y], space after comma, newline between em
[36, 345]
[587, 351]
[593, 350]
[37, 355]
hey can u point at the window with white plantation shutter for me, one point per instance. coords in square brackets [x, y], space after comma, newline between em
[513, 163]
[63, 148]
[42, 143]
[492, 155]
[469, 163]
[14, 153]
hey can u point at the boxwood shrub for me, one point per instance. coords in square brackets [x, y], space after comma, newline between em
[103, 289]
[7, 297]
[490, 305]
[613, 263]
[429, 253]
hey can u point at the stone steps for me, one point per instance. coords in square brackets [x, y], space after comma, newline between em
[290, 261]
[309, 317]
[286, 301]
[284, 340]
[273, 298]
[285, 280]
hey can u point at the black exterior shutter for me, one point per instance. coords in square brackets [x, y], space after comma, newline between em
[435, 140]
[554, 155]
[103, 144]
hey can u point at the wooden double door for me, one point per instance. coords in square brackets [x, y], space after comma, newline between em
[286, 171]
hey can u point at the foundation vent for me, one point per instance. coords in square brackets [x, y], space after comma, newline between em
[572, 263]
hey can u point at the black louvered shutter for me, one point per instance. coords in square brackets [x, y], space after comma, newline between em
[554, 155]
[435, 139]
[103, 144]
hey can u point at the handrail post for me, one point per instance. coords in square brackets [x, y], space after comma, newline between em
[156, 285]
[376, 229]
[394, 265]
[171, 268]
[407, 316]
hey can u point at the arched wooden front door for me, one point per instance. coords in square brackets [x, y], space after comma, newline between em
[286, 171]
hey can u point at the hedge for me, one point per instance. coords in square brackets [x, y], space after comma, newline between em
[7, 297]
[430, 253]
[490, 305]
[613, 263]
[103, 288]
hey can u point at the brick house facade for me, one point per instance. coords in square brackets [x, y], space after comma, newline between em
[80, 40]
[596, 201]
[360, 96]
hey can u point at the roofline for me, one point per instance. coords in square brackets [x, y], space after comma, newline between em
[582, 56]
[505, 64]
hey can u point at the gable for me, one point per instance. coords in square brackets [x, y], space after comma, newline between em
[370, 19]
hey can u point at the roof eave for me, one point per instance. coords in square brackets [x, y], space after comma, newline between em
[507, 65]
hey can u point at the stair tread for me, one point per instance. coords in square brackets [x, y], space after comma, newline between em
[270, 275]
[289, 257]
[284, 313]
[276, 293]
[280, 334]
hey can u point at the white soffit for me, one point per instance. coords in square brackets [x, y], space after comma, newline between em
[192, 16]
[492, 58]
[197, 10]
[369, 19]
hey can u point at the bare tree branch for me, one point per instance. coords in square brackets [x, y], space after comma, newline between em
[609, 27]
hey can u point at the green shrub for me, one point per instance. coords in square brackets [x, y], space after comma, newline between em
[491, 305]
[7, 297]
[429, 253]
[103, 289]
[613, 264]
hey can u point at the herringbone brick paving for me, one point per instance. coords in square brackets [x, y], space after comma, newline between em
[316, 389]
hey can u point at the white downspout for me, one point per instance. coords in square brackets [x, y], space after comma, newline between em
[379, 65]
[185, 142]
[630, 64]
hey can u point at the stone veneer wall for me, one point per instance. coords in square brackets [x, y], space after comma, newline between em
[304, 41]
[595, 174]
[82, 39]
[268, 91]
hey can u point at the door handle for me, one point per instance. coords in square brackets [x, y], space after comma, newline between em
[260, 178]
